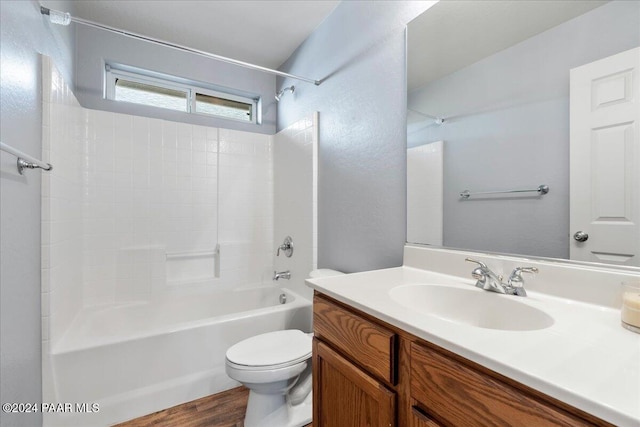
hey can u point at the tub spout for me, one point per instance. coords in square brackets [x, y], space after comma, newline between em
[277, 275]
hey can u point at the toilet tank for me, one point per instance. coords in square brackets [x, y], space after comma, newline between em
[324, 272]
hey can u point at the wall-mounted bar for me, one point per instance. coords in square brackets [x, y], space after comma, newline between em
[25, 161]
[542, 189]
[193, 254]
[63, 18]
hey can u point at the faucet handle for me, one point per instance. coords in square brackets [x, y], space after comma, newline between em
[286, 246]
[480, 263]
[483, 269]
[517, 272]
[479, 273]
[516, 281]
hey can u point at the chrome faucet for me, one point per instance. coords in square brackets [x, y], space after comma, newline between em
[277, 275]
[486, 279]
[490, 281]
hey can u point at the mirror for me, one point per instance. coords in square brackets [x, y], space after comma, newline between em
[488, 111]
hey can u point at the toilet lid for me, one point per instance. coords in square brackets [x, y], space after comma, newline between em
[272, 348]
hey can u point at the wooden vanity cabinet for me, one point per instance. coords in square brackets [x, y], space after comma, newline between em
[458, 395]
[352, 384]
[344, 395]
[369, 373]
[420, 419]
[369, 344]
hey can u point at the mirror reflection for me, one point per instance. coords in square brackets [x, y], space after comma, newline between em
[507, 96]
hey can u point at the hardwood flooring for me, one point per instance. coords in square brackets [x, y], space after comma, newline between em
[224, 409]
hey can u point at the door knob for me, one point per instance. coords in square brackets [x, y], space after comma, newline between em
[581, 236]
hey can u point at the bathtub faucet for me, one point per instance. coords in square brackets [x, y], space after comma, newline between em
[281, 275]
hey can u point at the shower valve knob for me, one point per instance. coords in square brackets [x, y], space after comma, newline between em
[286, 247]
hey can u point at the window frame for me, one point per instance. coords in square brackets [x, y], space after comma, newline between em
[208, 92]
[190, 90]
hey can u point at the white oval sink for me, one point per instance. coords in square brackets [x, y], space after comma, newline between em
[471, 306]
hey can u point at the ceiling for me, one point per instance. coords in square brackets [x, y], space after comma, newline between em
[455, 33]
[265, 33]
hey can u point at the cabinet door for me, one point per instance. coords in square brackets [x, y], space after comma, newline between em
[420, 419]
[345, 396]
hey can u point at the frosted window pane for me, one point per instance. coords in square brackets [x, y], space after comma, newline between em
[223, 107]
[140, 93]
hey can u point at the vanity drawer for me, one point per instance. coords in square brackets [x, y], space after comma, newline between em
[366, 343]
[455, 394]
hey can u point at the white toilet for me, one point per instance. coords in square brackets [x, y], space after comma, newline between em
[276, 368]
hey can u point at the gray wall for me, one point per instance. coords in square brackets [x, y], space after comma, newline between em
[360, 51]
[24, 34]
[94, 47]
[508, 127]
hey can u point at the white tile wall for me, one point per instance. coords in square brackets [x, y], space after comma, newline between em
[151, 188]
[295, 200]
[61, 206]
[126, 190]
[246, 207]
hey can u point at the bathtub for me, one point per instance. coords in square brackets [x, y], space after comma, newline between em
[138, 358]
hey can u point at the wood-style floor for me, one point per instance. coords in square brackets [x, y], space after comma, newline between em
[224, 409]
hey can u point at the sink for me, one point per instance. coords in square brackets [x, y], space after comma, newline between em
[471, 306]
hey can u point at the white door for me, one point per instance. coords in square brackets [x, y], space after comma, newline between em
[605, 160]
[425, 193]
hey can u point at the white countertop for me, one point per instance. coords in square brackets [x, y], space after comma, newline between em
[585, 358]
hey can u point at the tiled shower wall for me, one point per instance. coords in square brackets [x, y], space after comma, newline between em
[295, 160]
[62, 136]
[136, 200]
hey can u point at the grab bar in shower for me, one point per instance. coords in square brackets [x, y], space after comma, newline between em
[25, 160]
[193, 254]
[542, 189]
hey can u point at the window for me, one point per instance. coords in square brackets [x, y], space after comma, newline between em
[163, 92]
[218, 106]
[146, 94]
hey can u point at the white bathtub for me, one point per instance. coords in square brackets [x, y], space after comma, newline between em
[136, 359]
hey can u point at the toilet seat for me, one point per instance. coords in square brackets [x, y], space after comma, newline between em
[267, 367]
[273, 350]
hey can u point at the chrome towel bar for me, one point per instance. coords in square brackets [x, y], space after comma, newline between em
[542, 189]
[25, 160]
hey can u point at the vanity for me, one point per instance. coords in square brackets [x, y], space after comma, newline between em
[504, 156]
[420, 345]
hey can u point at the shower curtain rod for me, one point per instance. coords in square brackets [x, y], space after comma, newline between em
[63, 18]
[438, 120]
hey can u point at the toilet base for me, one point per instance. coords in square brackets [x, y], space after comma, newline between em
[268, 410]
[302, 413]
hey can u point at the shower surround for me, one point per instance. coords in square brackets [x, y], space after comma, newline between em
[132, 216]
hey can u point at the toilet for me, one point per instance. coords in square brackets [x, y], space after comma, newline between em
[276, 368]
